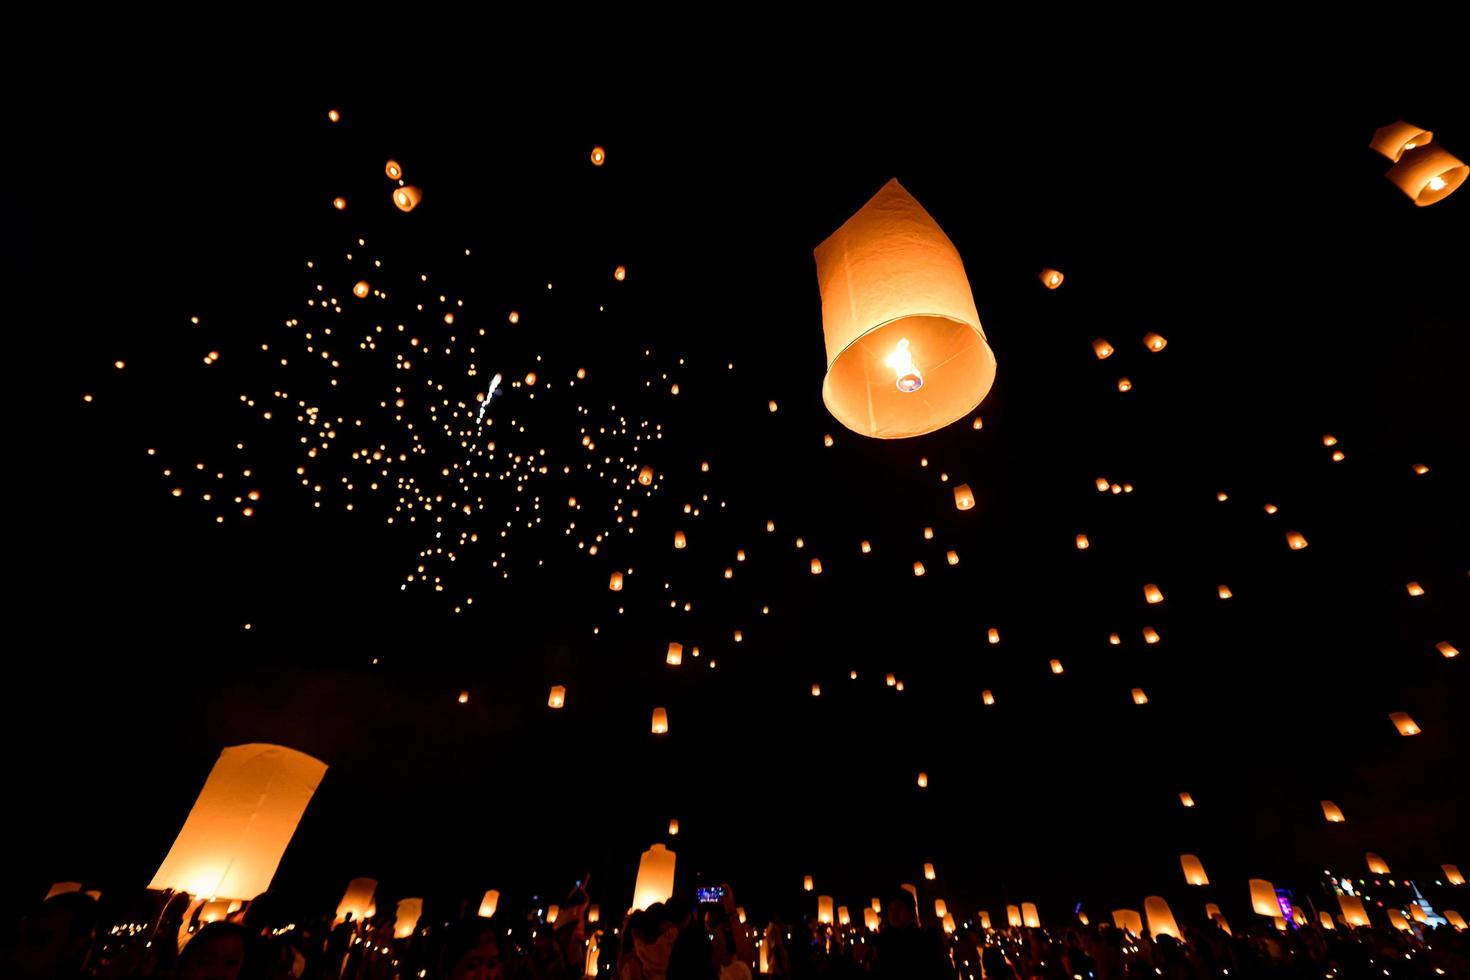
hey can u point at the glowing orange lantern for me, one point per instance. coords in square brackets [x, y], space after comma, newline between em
[963, 498]
[357, 900]
[1295, 541]
[918, 568]
[1029, 916]
[1397, 920]
[63, 888]
[986, 697]
[1056, 666]
[674, 827]
[407, 918]
[952, 557]
[940, 908]
[1404, 723]
[1428, 174]
[984, 920]
[1395, 138]
[339, 203]
[1186, 800]
[1325, 921]
[1452, 874]
[1263, 898]
[655, 881]
[599, 156]
[558, 696]
[866, 547]
[1150, 635]
[1124, 385]
[1152, 595]
[660, 721]
[1139, 697]
[239, 827]
[675, 656]
[928, 872]
[992, 635]
[392, 169]
[1415, 589]
[1223, 591]
[1129, 921]
[1050, 278]
[1102, 349]
[843, 919]
[620, 273]
[816, 690]
[1194, 871]
[870, 920]
[1353, 912]
[1332, 813]
[489, 903]
[1445, 648]
[923, 780]
[615, 581]
[1376, 864]
[1154, 342]
[824, 909]
[899, 317]
[679, 540]
[333, 115]
[806, 883]
[645, 475]
[1082, 543]
[408, 197]
[361, 289]
[1160, 918]
[1013, 916]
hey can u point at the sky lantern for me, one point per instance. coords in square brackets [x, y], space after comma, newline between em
[1447, 649]
[1082, 543]
[1114, 639]
[1125, 385]
[1331, 811]
[1452, 874]
[214, 911]
[660, 721]
[986, 697]
[1050, 278]
[489, 903]
[333, 115]
[1223, 591]
[918, 569]
[357, 899]
[407, 917]
[1194, 871]
[599, 156]
[63, 888]
[843, 918]
[1403, 723]
[620, 273]
[1128, 920]
[1396, 138]
[806, 883]
[1150, 635]
[1414, 589]
[1013, 916]
[675, 656]
[1160, 918]
[361, 289]
[392, 169]
[1263, 898]
[1152, 595]
[1397, 920]
[992, 635]
[1139, 697]
[615, 581]
[870, 920]
[1154, 342]
[940, 908]
[340, 203]
[1056, 667]
[1353, 912]
[655, 877]
[1029, 917]
[679, 540]
[407, 197]
[239, 827]
[1295, 541]
[1324, 919]
[558, 696]
[1376, 864]
[1428, 174]
[673, 826]
[1186, 800]
[964, 499]
[984, 920]
[816, 566]
[866, 547]
[906, 353]
[464, 697]
[816, 690]
[923, 780]
[928, 872]
[645, 475]
[953, 557]
[1102, 349]
[824, 909]
[1455, 919]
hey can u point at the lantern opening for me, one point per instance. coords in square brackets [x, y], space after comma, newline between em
[902, 361]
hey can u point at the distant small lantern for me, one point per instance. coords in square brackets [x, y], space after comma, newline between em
[986, 697]
[1223, 591]
[1050, 278]
[866, 547]
[952, 557]
[1125, 385]
[1420, 469]
[674, 827]
[1263, 898]
[515, 317]
[1154, 342]
[1160, 918]
[1194, 871]
[361, 289]
[1029, 917]
[675, 656]
[464, 697]
[816, 566]
[1403, 723]
[679, 539]
[615, 582]
[843, 918]
[870, 920]
[923, 780]
[392, 169]
[599, 156]
[1332, 812]
[355, 901]
[660, 721]
[992, 636]
[918, 568]
[339, 203]
[824, 909]
[407, 197]
[594, 913]
[1139, 697]
[1376, 864]
[620, 273]
[816, 690]
[489, 903]
[1324, 919]
[1114, 639]
[964, 499]
[1150, 635]
[806, 883]
[1056, 666]
[1082, 543]
[1428, 174]
[898, 317]
[1396, 138]
[928, 534]
[1151, 594]
[1447, 649]
[1452, 874]
[1186, 800]
[333, 115]
[645, 475]
[558, 696]
[1415, 589]
[928, 871]
[1102, 349]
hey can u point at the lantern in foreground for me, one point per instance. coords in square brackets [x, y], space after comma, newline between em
[1128, 920]
[407, 197]
[1353, 912]
[806, 883]
[655, 877]
[1029, 916]
[1160, 918]
[356, 900]
[1194, 871]
[1050, 278]
[899, 318]
[1331, 811]
[675, 656]
[1452, 874]
[1394, 139]
[1428, 174]
[234, 836]
[963, 498]
[1455, 919]
[870, 920]
[1013, 916]
[407, 918]
[558, 696]
[489, 903]
[1263, 898]
[1404, 723]
[660, 721]
[1376, 864]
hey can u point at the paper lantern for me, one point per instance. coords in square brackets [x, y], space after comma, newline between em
[1056, 666]
[464, 697]
[843, 919]
[1082, 543]
[1452, 874]
[949, 924]
[1150, 635]
[615, 581]
[660, 721]
[1263, 898]
[339, 203]
[407, 917]
[552, 911]
[63, 888]
[1139, 697]
[1353, 913]
[214, 911]
[1102, 349]
[1295, 541]
[940, 909]
[1102, 484]
[1129, 921]
[679, 541]
[953, 557]
[918, 569]
[1428, 174]
[599, 156]
[1114, 639]
[1397, 920]
[392, 169]
[1331, 811]
[1395, 138]
[1325, 921]
[906, 353]
[890, 680]
[1124, 385]
[408, 197]
[1404, 723]
[984, 920]
[620, 274]
[357, 899]
[992, 635]
[1446, 649]
[1455, 919]
[963, 498]
[1415, 589]
[674, 827]
[361, 289]
[489, 903]
[333, 115]
[870, 920]
[1050, 278]
[675, 656]
[1160, 918]
[1152, 595]
[1223, 591]
[1013, 916]
[234, 836]
[1376, 864]
[740, 912]
[1416, 912]
[928, 872]
[1029, 916]
[923, 780]
[1194, 871]
[1271, 509]
[558, 696]
[866, 547]
[987, 698]
[1186, 800]
[816, 690]
[1154, 342]
[655, 877]
[645, 475]
[806, 883]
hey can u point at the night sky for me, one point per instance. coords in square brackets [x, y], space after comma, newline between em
[1300, 293]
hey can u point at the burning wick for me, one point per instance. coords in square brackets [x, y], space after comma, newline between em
[908, 377]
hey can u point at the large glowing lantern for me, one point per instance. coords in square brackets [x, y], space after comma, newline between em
[824, 909]
[1376, 864]
[407, 197]
[1160, 919]
[1353, 912]
[409, 910]
[1029, 916]
[655, 877]
[1396, 138]
[964, 499]
[489, 903]
[1194, 871]
[1455, 919]
[660, 724]
[1013, 916]
[1263, 898]
[905, 350]
[357, 899]
[1428, 174]
[1128, 920]
[1331, 811]
[1452, 874]
[241, 823]
[870, 919]
[1404, 723]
